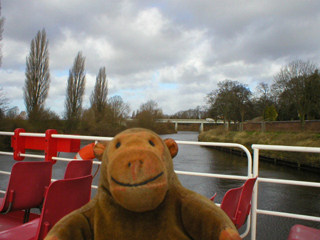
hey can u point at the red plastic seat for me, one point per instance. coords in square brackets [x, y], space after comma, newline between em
[236, 203]
[62, 197]
[78, 168]
[300, 232]
[26, 186]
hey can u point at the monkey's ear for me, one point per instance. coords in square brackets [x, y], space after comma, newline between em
[99, 148]
[172, 146]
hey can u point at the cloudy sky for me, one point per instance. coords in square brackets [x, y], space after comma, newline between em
[173, 52]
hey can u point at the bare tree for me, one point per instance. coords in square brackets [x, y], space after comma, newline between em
[37, 76]
[75, 93]
[1, 31]
[232, 101]
[263, 98]
[118, 110]
[218, 107]
[295, 69]
[99, 95]
[148, 113]
[293, 87]
[223, 100]
[4, 101]
[13, 112]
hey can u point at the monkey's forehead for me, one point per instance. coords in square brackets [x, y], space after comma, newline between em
[137, 130]
[138, 133]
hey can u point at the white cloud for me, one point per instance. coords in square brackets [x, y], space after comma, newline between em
[173, 52]
[150, 22]
[14, 53]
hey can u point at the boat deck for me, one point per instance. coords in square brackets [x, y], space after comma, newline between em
[14, 219]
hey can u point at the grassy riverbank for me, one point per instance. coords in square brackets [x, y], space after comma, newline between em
[271, 138]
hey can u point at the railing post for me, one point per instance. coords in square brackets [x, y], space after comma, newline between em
[254, 203]
[18, 144]
[51, 144]
[176, 126]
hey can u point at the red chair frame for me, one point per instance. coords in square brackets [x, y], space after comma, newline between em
[26, 187]
[62, 197]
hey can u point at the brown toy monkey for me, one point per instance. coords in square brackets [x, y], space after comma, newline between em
[140, 197]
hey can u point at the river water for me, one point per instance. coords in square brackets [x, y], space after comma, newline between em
[285, 198]
[277, 197]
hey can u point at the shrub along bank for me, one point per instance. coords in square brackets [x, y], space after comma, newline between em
[309, 161]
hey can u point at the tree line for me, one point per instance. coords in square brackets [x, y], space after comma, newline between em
[75, 118]
[293, 95]
[105, 116]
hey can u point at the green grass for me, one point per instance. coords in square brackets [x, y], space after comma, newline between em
[304, 139]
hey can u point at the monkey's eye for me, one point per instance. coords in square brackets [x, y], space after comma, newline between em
[151, 143]
[118, 144]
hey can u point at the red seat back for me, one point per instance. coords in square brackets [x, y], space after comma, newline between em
[230, 202]
[78, 168]
[301, 232]
[237, 202]
[27, 185]
[63, 197]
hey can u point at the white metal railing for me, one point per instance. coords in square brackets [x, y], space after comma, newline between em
[65, 136]
[95, 138]
[90, 138]
[236, 177]
[254, 207]
[252, 172]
